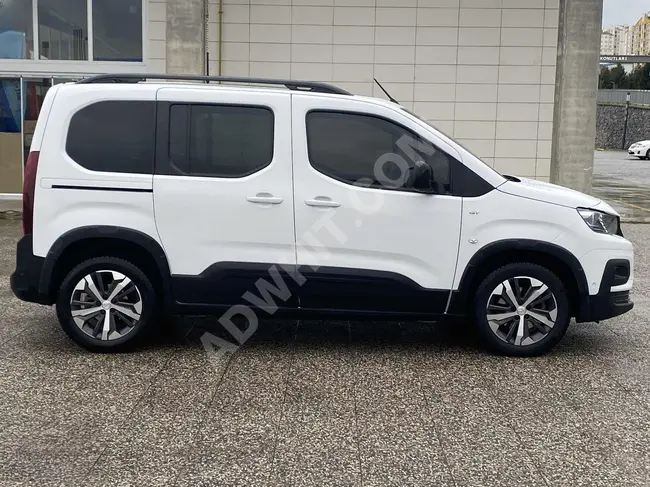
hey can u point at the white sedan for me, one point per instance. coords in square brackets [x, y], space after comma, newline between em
[640, 149]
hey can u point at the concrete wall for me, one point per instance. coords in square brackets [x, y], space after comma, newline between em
[483, 71]
[611, 124]
[185, 52]
[574, 127]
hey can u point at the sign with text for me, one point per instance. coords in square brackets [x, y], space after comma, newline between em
[625, 59]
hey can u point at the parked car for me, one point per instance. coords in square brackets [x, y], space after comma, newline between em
[146, 198]
[640, 149]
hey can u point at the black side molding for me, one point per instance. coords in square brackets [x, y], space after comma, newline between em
[102, 188]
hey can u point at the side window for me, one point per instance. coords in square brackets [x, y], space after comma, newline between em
[114, 136]
[224, 141]
[358, 149]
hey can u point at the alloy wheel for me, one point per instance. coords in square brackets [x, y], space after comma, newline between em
[521, 311]
[106, 305]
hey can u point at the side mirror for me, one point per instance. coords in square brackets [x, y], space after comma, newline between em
[422, 178]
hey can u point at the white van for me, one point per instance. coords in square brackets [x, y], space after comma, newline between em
[298, 199]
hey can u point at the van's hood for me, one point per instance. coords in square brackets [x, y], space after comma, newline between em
[550, 193]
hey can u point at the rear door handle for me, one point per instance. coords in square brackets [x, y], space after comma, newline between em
[322, 202]
[265, 199]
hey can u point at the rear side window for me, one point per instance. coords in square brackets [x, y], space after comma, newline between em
[225, 141]
[114, 136]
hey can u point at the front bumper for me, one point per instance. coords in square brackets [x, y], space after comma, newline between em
[25, 279]
[607, 303]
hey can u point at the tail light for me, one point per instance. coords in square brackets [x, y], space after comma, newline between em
[29, 187]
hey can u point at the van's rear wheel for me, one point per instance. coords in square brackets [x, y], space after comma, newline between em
[522, 310]
[106, 304]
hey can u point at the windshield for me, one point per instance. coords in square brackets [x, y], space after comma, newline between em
[443, 133]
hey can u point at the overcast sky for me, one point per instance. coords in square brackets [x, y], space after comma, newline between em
[625, 12]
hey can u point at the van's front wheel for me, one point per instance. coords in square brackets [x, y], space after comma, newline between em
[522, 310]
[106, 304]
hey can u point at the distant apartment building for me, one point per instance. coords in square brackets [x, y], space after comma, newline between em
[616, 41]
[606, 43]
[640, 38]
[623, 35]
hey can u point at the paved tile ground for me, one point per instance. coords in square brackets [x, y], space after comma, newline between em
[325, 403]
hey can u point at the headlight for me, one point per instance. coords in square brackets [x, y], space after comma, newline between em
[600, 222]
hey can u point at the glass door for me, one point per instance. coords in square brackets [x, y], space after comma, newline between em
[21, 100]
[11, 145]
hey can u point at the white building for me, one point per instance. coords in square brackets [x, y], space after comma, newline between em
[607, 46]
[483, 71]
[616, 41]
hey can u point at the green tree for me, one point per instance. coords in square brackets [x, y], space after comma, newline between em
[640, 77]
[644, 81]
[605, 79]
[619, 78]
[634, 79]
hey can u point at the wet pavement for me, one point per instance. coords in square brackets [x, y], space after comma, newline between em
[325, 403]
[624, 182]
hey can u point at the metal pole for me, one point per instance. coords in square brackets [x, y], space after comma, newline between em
[220, 65]
[627, 114]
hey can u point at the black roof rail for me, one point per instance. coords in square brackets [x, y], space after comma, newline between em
[309, 86]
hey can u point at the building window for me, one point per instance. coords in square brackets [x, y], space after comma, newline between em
[64, 33]
[16, 29]
[63, 29]
[117, 30]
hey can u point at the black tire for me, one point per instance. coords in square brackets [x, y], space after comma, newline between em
[510, 271]
[146, 291]
[647, 154]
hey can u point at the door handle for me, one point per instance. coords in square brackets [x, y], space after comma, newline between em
[322, 202]
[265, 199]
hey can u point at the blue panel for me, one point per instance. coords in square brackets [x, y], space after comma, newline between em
[10, 119]
[12, 45]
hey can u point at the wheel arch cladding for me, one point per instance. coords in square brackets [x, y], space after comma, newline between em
[497, 254]
[84, 243]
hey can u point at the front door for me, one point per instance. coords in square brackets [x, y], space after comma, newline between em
[222, 191]
[365, 241]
